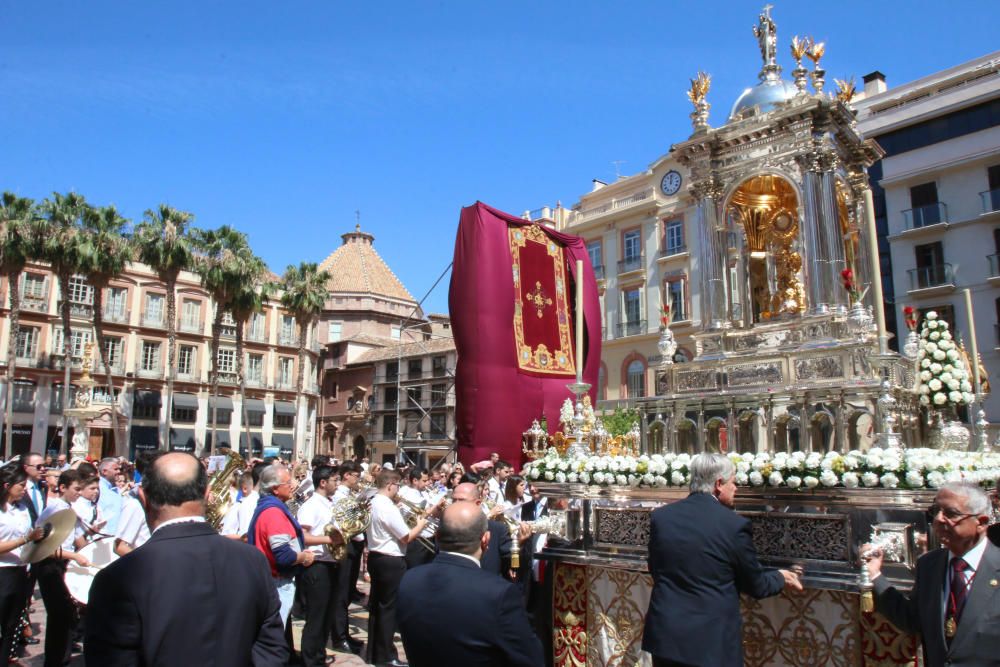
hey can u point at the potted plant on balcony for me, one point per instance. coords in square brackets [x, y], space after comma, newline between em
[942, 384]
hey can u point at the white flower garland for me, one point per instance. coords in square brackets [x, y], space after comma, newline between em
[944, 379]
[877, 468]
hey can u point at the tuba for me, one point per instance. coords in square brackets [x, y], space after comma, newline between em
[220, 501]
[351, 516]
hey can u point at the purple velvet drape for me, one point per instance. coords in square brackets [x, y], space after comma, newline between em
[496, 402]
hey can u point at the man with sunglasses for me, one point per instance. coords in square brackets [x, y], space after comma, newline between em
[955, 601]
[35, 495]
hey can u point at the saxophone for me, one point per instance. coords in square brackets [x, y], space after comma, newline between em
[220, 501]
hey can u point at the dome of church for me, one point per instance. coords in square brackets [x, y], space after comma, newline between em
[763, 97]
[356, 268]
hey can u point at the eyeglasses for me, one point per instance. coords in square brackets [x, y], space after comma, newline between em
[950, 514]
[39, 466]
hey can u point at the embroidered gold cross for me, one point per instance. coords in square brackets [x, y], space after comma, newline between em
[538, 299]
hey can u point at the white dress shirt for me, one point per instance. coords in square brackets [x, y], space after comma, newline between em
[971, 558]
[387, 528]
[58, 505]
[316, 514]
[15, 523]
[132, 526]
[247, 507]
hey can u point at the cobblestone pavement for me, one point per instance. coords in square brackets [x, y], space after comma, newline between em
[32, 656]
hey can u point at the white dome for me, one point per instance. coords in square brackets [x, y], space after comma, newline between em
[762, 98]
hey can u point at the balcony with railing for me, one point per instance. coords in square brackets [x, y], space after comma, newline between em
[673, 250]
[285, 383]
[631, 328]
[994, 261]
[80, 310]
[385, 436]
[153, 319]
[599, 272]
[629, 264]
[150, 371]
[925, 216]
[228, 377]
[228, 331]
[385, 405]
[254, 380]
[256, 334]
[991, 200]
[116, 315]
[288, 339]
[618, 204]
[188, 374]
[937, 277]
[190, 325]
[35, 302]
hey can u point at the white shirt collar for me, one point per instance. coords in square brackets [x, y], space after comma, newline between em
[183, 519]
[972, 556]
[465, 556]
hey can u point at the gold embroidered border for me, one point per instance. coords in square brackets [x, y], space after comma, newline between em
[541, 359]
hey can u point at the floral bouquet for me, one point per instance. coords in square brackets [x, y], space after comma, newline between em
[666, 315]
[853, 292]
[889, 468]
[944, 379]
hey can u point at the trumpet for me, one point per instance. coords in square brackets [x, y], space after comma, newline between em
[413, 512]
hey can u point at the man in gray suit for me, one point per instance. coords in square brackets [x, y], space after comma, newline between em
[955, 601]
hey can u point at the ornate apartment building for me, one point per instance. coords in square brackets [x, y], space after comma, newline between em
[135, 320]
[937, 198]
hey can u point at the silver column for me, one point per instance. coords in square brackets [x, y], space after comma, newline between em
[714, 270]
[833, 242]
[814, 242]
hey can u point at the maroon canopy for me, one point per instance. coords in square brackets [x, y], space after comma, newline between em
[513, 287]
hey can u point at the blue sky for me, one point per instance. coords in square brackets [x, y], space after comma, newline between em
[282, 119]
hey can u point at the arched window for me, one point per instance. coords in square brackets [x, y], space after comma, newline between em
[636, 379]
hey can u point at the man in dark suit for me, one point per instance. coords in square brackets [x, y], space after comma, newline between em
[188, 596]
[701, 557]
[451, 612]
[496, 557]
[955, 602]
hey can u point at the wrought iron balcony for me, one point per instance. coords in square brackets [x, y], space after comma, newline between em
[256, 335]
[228, 377]
[35, 302]
[81, 310]
[189, 375]
[288, 339]
[599, 272]
[116, 315]
[924, 216]
[673, 250]
[156, 372]
[192, 325]
[935, 275]
[628, 264]
[631, 328]
[991, 200]
[994, 261]
[154, 319]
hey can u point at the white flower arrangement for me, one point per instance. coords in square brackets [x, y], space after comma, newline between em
[942, 369]
[877, 468]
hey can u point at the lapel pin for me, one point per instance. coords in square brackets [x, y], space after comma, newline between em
[994, 583]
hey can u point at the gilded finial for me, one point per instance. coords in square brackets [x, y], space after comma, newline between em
[815, 51]
[845, 89]
[800, 47]
[699, 88]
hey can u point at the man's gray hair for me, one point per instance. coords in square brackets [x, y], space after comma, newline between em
[976, 500]
[107, 461]
[706, 469]
[270, 478]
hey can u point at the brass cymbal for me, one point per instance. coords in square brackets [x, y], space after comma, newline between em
[57, 528]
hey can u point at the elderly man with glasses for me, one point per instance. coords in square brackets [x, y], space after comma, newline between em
[954, 604]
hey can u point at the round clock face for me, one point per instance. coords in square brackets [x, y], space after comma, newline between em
[671, 183]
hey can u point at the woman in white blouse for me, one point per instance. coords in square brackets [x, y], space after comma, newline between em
[15, 532]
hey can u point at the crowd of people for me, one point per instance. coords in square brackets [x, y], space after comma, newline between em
[180, 590]
[277, 553]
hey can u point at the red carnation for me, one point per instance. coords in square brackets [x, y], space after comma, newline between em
[907, 310]
[847, 274]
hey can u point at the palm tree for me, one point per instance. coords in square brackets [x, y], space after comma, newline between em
[304, 293]
[223, 255]
[60, 243]
[17, 218]
[165, 244]
[106, 231]
[250, 299]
